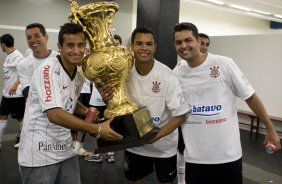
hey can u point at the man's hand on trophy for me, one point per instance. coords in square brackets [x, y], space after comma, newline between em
[106, 91]
[106, 133]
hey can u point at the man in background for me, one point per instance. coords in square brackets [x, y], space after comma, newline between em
[12, 101]
[37, 39]
[118, 40]
[205, 43]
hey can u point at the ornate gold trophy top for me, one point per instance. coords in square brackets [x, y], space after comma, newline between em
[107, 63]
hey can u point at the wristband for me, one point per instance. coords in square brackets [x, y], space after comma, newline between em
[99, 131]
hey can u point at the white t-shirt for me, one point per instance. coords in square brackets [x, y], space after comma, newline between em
[211, 133]
[86, 87]
[28, 65]
[42, 142]
[161, 92]
[96, 99]
[10, 74]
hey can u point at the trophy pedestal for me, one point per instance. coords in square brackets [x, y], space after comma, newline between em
[129, 127]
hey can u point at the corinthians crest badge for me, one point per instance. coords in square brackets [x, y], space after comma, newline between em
[214, 71]
[156, 87]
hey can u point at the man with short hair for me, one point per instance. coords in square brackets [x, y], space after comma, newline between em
[211, 83]
[46, 154]
[118, 40]
[205, 43]
[37, 39]
[12, 101]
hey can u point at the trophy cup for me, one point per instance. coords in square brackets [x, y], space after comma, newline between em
[110, 64]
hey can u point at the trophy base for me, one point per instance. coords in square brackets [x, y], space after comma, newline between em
[125, 126]
[129, 126]
[152, 133]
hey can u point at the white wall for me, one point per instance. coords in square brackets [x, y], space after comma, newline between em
[216, 22]
[16, 14]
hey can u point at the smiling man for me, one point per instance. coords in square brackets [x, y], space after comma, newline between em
[150, 83]
[211, 84]
[37, 40]
[45, 153]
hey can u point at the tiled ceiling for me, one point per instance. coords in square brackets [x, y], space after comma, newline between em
[257, 7]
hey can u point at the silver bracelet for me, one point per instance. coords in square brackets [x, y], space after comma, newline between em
[99, 131]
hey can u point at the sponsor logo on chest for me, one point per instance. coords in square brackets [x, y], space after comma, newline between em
[205, 110]
[47, 85]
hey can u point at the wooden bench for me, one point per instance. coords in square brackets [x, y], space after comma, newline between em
[255, 119]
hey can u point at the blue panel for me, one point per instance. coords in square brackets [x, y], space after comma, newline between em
[275, 25]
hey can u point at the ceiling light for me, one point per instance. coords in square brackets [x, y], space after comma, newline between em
[261, 12]
[216, 2]
[278, 16]
[240, 7]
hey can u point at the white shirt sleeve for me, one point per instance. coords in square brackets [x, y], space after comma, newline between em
[23, 73]
[240, 85]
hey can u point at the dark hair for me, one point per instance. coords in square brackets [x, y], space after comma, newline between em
[143, 29]
[69, 28]
[37, 25]
[117, 37]
[186, 26]
[203, 35]
[8, 40]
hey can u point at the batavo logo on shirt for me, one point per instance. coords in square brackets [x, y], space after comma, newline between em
[47, 85]
[205, 110]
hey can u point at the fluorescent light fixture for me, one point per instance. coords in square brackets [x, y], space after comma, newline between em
[216, 2]
[240, 7]
[278, 16]
[261, 12]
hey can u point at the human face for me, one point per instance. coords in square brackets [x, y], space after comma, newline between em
[143, 48]
[205, 43]
[73, 48]
[186, 45]
[35, 39]
[117, 42]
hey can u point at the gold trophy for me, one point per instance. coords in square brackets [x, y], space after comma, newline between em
[110, 64]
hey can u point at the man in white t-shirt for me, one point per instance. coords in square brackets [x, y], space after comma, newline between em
[210, 84]
[12, 101]
[152, 84]
[38, 52]
[46, 154]
[37, 40]
[204, 47]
